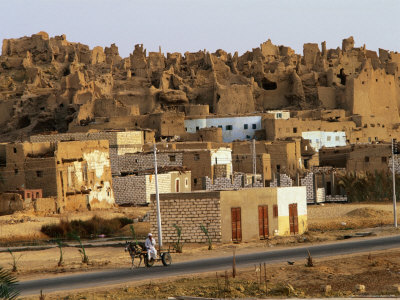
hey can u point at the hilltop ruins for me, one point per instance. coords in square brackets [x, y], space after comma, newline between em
[50, 84]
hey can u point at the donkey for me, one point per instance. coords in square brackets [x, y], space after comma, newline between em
[135, 250]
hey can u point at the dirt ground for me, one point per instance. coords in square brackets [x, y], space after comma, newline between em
[326, 223]
[375, 273]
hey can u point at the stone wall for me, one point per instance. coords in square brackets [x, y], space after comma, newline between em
[189, 211]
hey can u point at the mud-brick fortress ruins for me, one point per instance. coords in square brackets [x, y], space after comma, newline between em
[77, 125]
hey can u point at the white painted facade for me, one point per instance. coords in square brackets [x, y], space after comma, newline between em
[290, 195]
[319, 139]
[222, 156]
[233, 128]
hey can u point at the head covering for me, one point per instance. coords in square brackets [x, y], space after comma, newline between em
[149, 234]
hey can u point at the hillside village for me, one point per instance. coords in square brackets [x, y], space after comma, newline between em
[243, 143]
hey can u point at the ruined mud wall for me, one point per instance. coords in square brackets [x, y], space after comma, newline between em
[49, 84]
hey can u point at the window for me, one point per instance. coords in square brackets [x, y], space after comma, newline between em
[195, 181]
[279, 115]
[278, 167]
[369, 140]
[294, 129]
[248, 137]
[254, 126]
[197, 128]
[328, 138]
[219, 126]
[37, 195]
[228, 127]
[336, 138]
[15, 150]
[15, 171]
[275, 211]
[185, 128]
[28, 195]
[186, 182]
[39, 173]
[366, 159]
[246, 126]
[196, 156]
[172, 158]
[384, 159]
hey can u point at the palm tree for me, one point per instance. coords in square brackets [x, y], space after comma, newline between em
[8, 285]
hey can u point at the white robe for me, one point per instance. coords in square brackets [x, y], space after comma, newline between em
[151, 250]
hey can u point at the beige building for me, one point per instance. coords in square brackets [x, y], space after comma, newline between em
[232, 216]
[76, 174]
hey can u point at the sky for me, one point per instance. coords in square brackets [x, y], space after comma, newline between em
[189, 25]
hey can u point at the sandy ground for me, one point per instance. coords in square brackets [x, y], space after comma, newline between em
[326, 223]
[375, 273]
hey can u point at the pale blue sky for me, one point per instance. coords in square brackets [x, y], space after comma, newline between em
[184, 25]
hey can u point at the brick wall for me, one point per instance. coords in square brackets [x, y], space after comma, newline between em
[222, 170]
[308, 181]
[164, 185]
[143, 161]
[227, 183]
[129, 189]
[189, 211]
[285, 181]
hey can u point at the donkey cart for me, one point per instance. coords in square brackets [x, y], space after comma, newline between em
[138, 250]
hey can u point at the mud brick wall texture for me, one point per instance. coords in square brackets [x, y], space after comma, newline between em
[130, 190]
[188, 211]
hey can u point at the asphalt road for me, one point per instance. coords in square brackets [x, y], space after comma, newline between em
[102, 278]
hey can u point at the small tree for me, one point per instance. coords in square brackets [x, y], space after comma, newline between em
[85, 258]
[178, 245]
[133, 233]
[61, 259]
[15, 261]
[8, 285]
[205, 230]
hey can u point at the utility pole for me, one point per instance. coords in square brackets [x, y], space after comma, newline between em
[395, 151]
[157, 199]
[254, 161]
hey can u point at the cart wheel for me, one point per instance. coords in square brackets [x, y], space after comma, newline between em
[148, 263]
[166, 259]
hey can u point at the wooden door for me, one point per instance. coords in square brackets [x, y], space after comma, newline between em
[236, 224]
[177, 183]
[263, 228]
[293, 219]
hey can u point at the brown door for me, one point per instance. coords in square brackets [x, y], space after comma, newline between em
[293, 219]
[236, 224]
[177, 185]
[263, 221]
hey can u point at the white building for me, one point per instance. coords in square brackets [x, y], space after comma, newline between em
[233, 128]
[319, 139]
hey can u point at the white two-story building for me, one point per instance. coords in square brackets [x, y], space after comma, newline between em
[319, 139]
[233, 127]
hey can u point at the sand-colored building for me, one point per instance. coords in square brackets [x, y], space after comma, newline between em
[232, 216]
[76, 174]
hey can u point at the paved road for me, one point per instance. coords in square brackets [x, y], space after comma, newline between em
[98, 278]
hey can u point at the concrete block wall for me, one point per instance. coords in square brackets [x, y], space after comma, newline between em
[144, 161]
[129, 190]
[164, 185]
[227, 184]
[285, 181]
[308, 181]
[188, 212]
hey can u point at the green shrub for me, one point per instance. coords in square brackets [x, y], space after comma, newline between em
[85, 229]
